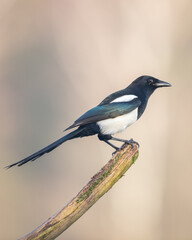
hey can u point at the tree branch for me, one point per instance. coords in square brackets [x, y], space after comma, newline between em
[99, 184]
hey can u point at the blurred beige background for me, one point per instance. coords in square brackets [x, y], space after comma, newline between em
[58, 59]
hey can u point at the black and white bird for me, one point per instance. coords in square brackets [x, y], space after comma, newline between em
[113, 115]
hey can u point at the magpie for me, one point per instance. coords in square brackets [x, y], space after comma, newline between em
[113, 115]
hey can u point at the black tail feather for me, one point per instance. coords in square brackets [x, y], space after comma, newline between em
[49, 148]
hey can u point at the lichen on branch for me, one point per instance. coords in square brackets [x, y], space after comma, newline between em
[99, 184]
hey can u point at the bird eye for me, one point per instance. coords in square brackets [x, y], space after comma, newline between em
[150, 81]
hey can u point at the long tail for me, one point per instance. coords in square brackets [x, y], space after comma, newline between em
[49, 148]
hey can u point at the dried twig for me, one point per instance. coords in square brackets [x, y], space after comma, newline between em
[96, 188]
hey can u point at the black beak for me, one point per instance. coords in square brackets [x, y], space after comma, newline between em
[160, 83]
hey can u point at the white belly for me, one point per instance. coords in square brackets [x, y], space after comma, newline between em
[118, 124]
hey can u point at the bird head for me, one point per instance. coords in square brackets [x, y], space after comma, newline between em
[145, 85]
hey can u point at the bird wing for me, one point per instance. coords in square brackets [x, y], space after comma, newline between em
[102, 112]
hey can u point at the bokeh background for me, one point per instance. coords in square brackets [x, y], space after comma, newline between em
[58, 59]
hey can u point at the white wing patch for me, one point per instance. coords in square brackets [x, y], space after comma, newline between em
[118, 124]
[125, 98]
[115, 125]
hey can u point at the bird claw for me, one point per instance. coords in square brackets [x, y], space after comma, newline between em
[118, 149]
[129, 142]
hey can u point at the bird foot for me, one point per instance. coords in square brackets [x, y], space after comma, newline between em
[129, 142]
[117, 150]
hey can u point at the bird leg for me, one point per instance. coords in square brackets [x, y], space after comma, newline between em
[106, 139]
[130, 142]
[112, 145]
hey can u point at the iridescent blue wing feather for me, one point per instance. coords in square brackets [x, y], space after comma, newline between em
[102, 112]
